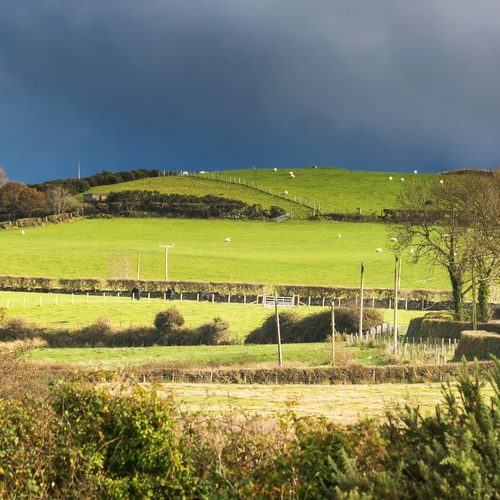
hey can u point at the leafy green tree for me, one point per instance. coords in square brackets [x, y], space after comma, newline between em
[453, 222]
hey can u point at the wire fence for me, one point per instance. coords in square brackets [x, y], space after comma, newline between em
[299, 200]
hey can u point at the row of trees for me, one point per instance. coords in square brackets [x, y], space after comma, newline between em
[458, 228]
[17, 200]
[103, 178]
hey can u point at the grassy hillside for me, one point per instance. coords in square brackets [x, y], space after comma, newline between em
[336, 190]
[297, 252]
[201, 187]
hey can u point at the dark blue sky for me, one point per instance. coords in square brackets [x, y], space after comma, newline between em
[215, 84]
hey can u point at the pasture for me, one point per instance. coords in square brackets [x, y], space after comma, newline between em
[66, 311]
[335, 189]
[343, 404]
[294, 252]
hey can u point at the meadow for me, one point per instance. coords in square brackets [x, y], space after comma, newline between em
[67, 311]
[343, 404]
[334, 189]
[293, 252]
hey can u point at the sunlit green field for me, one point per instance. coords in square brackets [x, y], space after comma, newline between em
[66, 311]
[297, 252]
[336, 190]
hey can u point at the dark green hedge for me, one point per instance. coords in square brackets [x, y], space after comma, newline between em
[314, 327]
[478, 345]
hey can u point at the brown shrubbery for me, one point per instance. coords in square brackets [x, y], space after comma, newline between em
[168, 330]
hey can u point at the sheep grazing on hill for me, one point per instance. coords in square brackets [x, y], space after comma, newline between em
[291, 175]
[339, 235]
[378, 250]
[285, 193]
[275, 169]
[227, 240]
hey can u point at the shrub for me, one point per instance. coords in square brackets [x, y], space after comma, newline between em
[168, 320]
[214, 333]
[477, 345]
[313, 328]
[19, 329]
[438, 328]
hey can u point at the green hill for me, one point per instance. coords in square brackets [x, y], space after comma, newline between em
[333, 189]
[191, 185]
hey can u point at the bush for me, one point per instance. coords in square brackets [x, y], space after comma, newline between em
[477, 345]
[214, 333]
[168, 320]
[428, 328]
[19, 329]
[313, 328]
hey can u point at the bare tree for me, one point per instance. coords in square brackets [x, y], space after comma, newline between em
[453, 222]
[60, 200]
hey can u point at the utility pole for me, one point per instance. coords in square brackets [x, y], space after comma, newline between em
[78, 170]
[278, 330]
[396, 299]
[166, 246]
[361, 296]
[333, 331]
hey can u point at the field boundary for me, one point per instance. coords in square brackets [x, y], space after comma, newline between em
[333, 375]
[237, 292]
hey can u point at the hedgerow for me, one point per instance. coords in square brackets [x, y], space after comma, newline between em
[122, 441]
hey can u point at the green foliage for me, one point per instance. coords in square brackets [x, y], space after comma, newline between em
[125, 443]
[89, 442]
[139, 203]
[314, 327]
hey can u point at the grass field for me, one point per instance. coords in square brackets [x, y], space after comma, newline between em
[300, 252]
[336, 190]
[339, 403]
[194, 357]
[65, 311]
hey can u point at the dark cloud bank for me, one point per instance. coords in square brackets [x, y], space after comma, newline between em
[212, 84]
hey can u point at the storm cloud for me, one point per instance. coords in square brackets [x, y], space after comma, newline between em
[215, 84]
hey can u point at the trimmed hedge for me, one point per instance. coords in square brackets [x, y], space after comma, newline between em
[351, 374]
[438, 329]
[82, 285]
[474, 344]
[314, 327]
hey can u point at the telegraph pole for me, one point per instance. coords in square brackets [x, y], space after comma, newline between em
[166, 246]
[332, 312]
[138, 265]
[278, 329]
[361, 296]
[396, 299]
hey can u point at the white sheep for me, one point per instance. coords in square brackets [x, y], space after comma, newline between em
[275, 169]
[227, 240]
[339, 235]
[378, 250]
[285, 193]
